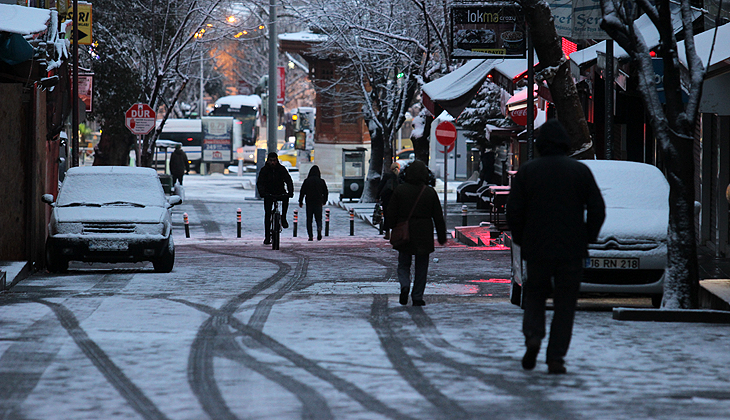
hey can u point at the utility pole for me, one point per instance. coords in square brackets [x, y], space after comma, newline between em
[530, 97]
[609, 76]
[75, 92]
[272, 117]
[202, 86]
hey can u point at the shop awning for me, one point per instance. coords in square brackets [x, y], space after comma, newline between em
[453, 93]
[15, 22]
[647, 29]
[717, 80]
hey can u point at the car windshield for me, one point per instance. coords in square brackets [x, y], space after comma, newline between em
[113, 189]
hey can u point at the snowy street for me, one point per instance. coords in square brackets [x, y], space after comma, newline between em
[315, 331]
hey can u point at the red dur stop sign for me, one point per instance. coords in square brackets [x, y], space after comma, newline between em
[446, 133]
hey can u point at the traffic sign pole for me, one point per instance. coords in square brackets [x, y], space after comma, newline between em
[446, 135]
[446, 177]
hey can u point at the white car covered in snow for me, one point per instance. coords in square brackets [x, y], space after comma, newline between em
[110, 214]
[630, 255]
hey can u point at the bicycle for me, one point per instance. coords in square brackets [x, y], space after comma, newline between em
[276, 227]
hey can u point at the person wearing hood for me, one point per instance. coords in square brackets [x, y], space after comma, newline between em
[314, 192]
[274, 180]
[554, 210]
[179, 164]
[416, 202]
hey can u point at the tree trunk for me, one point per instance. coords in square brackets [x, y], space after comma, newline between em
[562, 88]
[674, 132]
[375, 167]
[681, 285]
[421, 145]
[113, 148]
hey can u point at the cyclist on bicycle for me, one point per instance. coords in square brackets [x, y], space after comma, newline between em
[273, 180]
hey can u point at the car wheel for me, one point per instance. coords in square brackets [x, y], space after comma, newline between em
[165, 262]
[656, 300]
[54, 262]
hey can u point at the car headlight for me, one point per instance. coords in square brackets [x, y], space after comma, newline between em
[66, 228]
[150, 228]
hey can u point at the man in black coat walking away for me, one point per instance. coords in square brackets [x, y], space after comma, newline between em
[179, 164]
[314, 191]
[274, 179]
[545, 212]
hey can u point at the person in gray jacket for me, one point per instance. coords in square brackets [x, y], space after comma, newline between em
[554, 210]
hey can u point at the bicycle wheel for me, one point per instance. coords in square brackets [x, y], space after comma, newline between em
[276, 231]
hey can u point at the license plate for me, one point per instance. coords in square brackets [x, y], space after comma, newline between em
[108, 245]
[613, 263]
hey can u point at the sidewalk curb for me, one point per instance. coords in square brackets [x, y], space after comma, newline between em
[708, 316]
[14, 272]
[714, 294]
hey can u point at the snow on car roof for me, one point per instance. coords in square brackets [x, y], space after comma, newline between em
[108, 184]
[634, 185]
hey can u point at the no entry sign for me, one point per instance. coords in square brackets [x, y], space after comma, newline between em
[446, 133]
[140, 119]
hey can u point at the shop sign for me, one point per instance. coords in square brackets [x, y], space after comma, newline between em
[492, 30]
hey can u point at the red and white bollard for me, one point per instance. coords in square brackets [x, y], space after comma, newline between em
[326, 222]
[352, 222]
[238, 218]
[187, 225]
[296, 221]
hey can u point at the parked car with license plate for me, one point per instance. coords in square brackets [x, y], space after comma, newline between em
[110, 214]
[630, 254]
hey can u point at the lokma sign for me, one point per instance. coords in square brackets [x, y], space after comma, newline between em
[494, 30]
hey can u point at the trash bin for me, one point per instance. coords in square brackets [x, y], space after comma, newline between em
[353, 173]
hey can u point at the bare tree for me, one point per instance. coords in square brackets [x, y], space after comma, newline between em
[385, 51]
[555, 69]
[673, 125]
[158, 43]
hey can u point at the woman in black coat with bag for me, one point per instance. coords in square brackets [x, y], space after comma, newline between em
[417, 204]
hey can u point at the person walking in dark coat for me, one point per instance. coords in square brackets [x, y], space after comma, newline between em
[385, 190]
[273, 180]
[314, 192]
[486, 159]
[554, 210]
[426, 213]
[179, 164]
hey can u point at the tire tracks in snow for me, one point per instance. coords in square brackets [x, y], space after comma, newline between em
[201, 370]
[17, 387]
[399, 339]
[210, 227]
[214, 338]
[113, 374]
[404, 364]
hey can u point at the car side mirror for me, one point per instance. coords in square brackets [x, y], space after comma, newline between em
[47, 198]
[174, 200]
